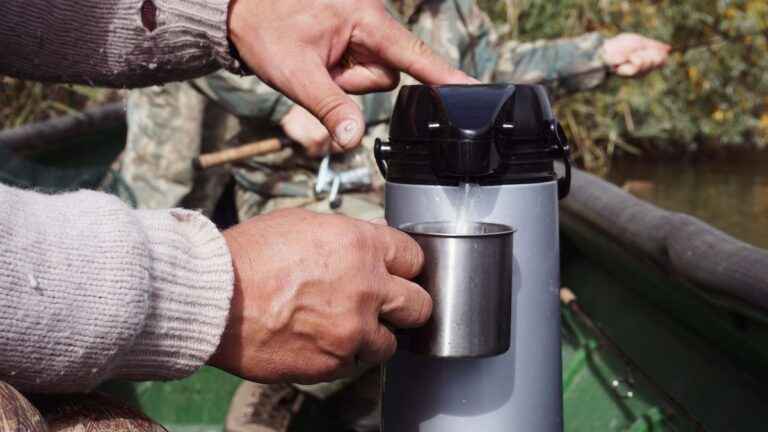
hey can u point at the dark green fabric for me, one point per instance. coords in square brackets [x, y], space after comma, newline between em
[75, 164]
[679, 243]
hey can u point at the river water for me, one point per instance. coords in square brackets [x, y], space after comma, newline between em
[730, 195]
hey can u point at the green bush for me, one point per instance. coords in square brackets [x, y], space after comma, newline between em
[712, 96]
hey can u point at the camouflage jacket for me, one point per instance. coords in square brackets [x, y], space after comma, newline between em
[462, 33]
[459, 31]
[169, 126]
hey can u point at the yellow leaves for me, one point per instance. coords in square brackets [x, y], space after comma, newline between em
[694, 74]
[652, 21]
[720, 115]
[731, 13]
[697, 80]
[762, 128]
[764, 123]
[757, 7]
[714, 91]
[745, 104]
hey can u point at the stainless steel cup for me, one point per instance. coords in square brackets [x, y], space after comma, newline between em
[467, 271]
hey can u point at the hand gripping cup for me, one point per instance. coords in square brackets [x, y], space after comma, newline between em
[468, 273]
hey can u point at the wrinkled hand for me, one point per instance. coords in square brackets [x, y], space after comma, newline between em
[312, 293]
[630, 54]
[303, 128]
[317, 51]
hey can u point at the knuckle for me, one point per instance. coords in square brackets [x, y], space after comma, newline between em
[330, 105]
[370, 20]
[389, 351]
[347, 338]
[325, 369]
[412, 257]
[390, 345]
[420, 48]
[423, 311]
[356, 238]
[417, 258]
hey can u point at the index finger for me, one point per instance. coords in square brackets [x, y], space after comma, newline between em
[402, 255]
[402, 50]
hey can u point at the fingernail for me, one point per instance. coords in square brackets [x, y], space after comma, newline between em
[346, 132]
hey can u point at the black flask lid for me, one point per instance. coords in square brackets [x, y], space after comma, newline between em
[487, 134]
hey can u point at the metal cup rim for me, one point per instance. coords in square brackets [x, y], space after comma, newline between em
[500, 230]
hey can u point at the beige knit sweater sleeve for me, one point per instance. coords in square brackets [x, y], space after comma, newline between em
[120, 43]
[91, 290]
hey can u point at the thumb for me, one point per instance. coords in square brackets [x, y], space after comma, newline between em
[315, 90]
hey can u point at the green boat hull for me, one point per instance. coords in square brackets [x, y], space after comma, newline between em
[639, 308]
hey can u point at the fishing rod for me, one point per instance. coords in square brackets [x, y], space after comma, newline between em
[235, 151]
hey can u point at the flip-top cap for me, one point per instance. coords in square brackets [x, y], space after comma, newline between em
[499, 133]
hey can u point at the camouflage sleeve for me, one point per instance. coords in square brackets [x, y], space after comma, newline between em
[462, 33]
[164, 135]
[245, 97]
[563, 65]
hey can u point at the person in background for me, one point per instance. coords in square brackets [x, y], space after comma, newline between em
[170, 126]
[91, 289]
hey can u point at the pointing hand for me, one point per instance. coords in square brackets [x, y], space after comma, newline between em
[317, 51]
[630, 54]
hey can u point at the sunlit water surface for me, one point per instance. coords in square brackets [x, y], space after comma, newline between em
[730, 195]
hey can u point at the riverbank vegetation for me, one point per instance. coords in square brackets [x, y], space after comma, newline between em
[711, 99]
[23, 102]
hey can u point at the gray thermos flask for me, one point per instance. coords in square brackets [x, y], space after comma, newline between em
[481, 155]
